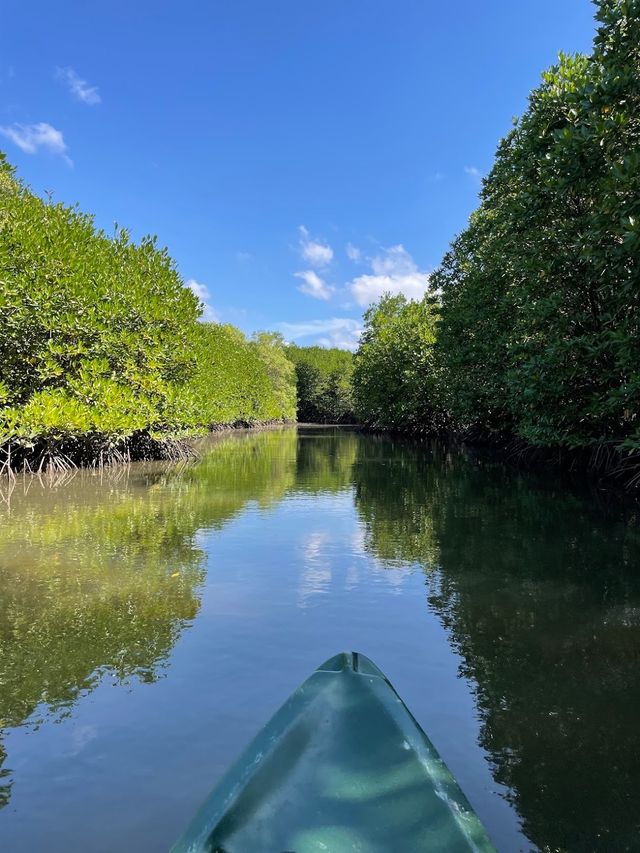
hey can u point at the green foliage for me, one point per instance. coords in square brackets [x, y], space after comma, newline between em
[93, 330]
[539, 335]
[541, 306]
[99, 337]
[232, 382]
[281, 372]
[323, 378]
[395, 378]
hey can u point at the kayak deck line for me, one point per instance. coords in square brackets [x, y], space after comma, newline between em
[342, 766]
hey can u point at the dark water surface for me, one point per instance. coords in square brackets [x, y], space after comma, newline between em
[152, 619]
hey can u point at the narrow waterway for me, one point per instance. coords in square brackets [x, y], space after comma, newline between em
[153, 618]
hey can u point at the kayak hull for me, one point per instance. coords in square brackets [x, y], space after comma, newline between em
[342, 766]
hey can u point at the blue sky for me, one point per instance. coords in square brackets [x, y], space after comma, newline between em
[297, 158]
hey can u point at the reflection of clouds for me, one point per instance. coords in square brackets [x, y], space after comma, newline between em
[316, 572]
[314, 546]
[81, 737]
[353, 577]
[318, 567]
[393, 576]
[394, 573]
[359, 539]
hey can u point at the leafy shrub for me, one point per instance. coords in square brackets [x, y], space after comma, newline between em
[323, 378]
[281, 372]
[231, 382]
[99, 338]
[541, 306]
[539, 330]
[395, 378]
[94, 331]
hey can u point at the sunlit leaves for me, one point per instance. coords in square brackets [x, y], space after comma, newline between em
[395, 376]
[539, 335]
[99, 336]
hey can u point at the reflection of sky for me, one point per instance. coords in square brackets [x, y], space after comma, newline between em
[331, 555]
[286, 588]
[315, 577]
[319, 547]
[81, 737]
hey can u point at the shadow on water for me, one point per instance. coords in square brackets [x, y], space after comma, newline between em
[539, 588]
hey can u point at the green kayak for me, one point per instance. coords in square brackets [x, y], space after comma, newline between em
[342, 766]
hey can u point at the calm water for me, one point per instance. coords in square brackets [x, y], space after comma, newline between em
[152, 619]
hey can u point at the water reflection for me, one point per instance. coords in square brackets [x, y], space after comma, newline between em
[398, 522]
[539, 590]
[316, 574]
[102, 573]
[536, 585]
[325, 457]
[100, 582]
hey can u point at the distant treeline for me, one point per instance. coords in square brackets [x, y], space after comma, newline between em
[101, 348]
[324, 384]
[532, 328]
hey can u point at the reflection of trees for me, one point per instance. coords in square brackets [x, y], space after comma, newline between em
[251, 466]
[539, 590]
[5, 780]
[535, 585]
[389, 475]
[103, 574]
[325, 458]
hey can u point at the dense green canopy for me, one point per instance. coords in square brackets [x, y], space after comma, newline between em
[395, 374]
[324, 384]
[531, 328]
[100, 338]
[539, 331]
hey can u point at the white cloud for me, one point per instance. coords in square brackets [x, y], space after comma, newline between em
[342, 332]
[209, 314]
[313, 285]
[393, 272]
[31, 137]
[313, 251]
[353, 253]
[243, 257]
[436, 177]
[78, 87]
[316, 575]
[473, 172]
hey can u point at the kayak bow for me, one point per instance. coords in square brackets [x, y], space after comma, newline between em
[342, 766]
